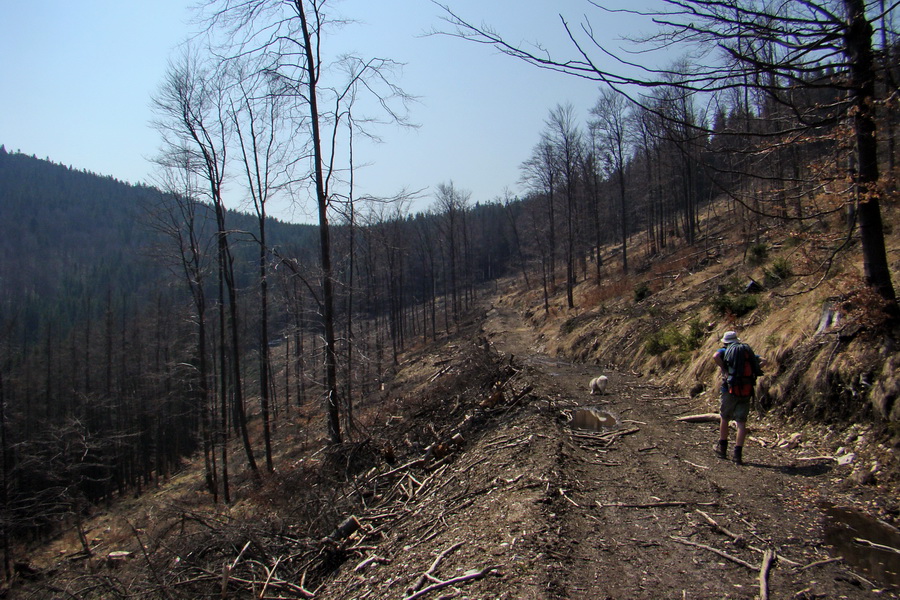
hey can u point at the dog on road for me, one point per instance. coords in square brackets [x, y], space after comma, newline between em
[598, 385]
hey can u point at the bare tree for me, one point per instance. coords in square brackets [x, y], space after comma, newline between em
[288, 40]
[540, 173]
[256, 111]
[564, 135]
[787, 52]
[452, 203]
[180, 217]
[512, 208]
[610, 121]
[192, 109]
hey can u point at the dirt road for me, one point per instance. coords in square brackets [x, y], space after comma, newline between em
[531, 508]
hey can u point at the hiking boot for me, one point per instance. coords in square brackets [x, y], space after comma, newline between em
[722, 449]
[739, 455]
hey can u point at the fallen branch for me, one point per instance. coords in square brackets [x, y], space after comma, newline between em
[619, 433]
[696, 465]
[413, 463]
[369, 561]
[434, 565]
[562, 493]
[470, 576]
[269, 574]
[725, 555]
[518, 398]
[287, 586]
[502, 440]
[738, 539]
[381, 516]
[517, 442]
[441, 372]
[823, 457]
[767, 560]
[296, 589]
[871, 544]
[608, 434]
[701, 418]
[659, 504]
[150, 564]
[603, 463]
[608, 437]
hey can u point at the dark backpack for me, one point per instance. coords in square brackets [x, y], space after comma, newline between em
[743, 369]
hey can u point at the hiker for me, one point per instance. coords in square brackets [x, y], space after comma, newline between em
[740, 367]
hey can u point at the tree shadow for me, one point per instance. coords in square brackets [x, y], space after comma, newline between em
[812, 469]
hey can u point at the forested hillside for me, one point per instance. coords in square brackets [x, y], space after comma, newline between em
[118, 339]
[68, 234]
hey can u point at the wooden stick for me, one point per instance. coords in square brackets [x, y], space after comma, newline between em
[278, 584]
[517, 442]
[702, 418]
[871, 544]
[739, 539]
[768, 557]
[660, 504]
[733, 559]
[441, 372]
[819, 563]
[780, 558]
[374, 559]
[718, 527]
[434, 565]
[562, 493]
[501, 440]
[619, 433]
[147, 559]
[470, 576]
[413, 463]
[269, 574]
[603, 463]
[695, 465]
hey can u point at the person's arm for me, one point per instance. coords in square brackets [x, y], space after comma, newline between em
[720, 361]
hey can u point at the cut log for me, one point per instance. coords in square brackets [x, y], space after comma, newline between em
[701, 418]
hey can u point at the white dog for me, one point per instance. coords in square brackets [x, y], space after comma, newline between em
[598, 385]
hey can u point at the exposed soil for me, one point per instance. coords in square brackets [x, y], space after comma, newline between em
[642, 510]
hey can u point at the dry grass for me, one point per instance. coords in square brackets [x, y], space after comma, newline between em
[815, 372]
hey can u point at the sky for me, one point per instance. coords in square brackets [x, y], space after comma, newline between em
[78, 78]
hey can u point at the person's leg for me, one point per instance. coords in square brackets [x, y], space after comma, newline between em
[741, 432]
[723, 428]
[739, 442]
[726, 408]
[722, 448]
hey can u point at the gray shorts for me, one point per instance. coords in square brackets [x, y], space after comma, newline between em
[734, 408]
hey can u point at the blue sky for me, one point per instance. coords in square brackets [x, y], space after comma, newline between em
[78, 78]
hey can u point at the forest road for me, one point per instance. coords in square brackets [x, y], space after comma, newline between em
[643, 508]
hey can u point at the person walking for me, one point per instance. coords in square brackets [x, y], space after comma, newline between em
[740, 366]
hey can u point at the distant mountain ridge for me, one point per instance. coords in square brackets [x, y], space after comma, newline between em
[66, 230]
